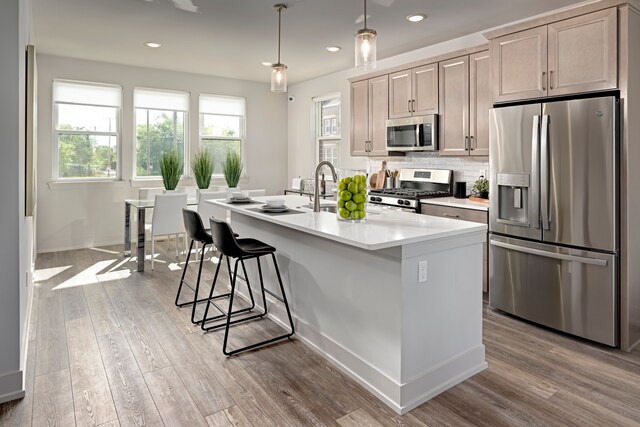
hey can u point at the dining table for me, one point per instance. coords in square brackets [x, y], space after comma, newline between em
[141, 205]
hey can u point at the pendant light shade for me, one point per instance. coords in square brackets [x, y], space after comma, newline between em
[278, 78]
[279, 70]
[365, 46]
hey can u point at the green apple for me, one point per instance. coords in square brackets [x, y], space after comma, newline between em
[351, 206]
[341, 186]
[358, 198]
[361, 207]
[347, 179]
[341, 203]
[344, 213]
[360, 213]
[345, 195]
[353, 187]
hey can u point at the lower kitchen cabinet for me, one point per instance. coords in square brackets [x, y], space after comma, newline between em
[472, 215]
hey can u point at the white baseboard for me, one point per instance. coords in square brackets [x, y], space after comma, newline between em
[11, 386]
[402, 398]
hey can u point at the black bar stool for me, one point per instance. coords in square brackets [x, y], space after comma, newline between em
[242, 249]
[197, 233]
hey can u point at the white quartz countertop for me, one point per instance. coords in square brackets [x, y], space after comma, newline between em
[382, 229]
[457, 203]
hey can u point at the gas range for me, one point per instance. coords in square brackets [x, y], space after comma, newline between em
[414, 185]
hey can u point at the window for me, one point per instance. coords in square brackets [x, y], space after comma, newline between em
[222, 126]
[87, 130]
[328, 133]
[160, 125]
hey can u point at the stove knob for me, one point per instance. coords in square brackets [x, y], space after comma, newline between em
[400, 202]
[377, 199]
[407, 203]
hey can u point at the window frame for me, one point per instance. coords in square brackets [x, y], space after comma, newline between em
[243, 131]
[55, 158]
[320, 126]
[186, 169]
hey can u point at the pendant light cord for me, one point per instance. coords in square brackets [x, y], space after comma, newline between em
[279, 30]
[365, 14]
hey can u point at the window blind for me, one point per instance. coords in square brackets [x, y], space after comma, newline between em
[160, 99]
[87, 93]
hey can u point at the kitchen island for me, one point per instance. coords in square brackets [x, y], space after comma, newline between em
[395, 302]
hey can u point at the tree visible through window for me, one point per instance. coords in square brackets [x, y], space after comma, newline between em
[160, 123]
[87, 130]
[222, 124]
[328, 125]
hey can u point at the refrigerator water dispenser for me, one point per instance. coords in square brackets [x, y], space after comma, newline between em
[513, 199]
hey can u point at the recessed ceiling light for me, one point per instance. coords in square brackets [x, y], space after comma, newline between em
[267, 64]
[153, 44]
[333, 48]
[416, 18]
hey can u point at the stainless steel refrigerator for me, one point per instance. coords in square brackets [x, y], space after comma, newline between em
[554, 212]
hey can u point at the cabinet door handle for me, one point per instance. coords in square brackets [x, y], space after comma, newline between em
[471, 147]
[466, 142]
[409, 106]
[544, 86]
[451, 216]
[551, 79]
[413, 105]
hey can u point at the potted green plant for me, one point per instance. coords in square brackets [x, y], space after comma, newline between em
[170, 169]
[232, 168]
[202, 168]
[481, 186]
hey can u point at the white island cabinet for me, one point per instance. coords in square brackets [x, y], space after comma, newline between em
[395, 302]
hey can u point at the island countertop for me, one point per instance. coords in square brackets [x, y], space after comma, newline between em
[382, 229]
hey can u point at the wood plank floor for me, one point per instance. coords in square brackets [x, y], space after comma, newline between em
[108, 347]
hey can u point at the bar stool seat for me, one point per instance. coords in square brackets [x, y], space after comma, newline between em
[197, 233]
[242, 249]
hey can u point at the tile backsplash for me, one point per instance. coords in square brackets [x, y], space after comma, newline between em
[466, 169]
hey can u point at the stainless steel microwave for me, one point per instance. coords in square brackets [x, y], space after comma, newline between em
[413, 133]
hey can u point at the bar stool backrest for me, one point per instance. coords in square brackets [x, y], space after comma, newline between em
[224, 239]
[194, 226]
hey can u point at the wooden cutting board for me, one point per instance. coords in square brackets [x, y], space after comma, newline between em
[478, 199]
[382, 174]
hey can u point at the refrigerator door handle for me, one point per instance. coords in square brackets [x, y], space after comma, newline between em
[564, 257]
[544, 172]
[535, 160]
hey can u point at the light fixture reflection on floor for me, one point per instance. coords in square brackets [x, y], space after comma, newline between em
[279, 70]
[366, 46]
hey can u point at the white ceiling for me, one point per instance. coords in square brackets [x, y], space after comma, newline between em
[231, 38]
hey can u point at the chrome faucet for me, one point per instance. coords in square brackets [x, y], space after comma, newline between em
[316, 187]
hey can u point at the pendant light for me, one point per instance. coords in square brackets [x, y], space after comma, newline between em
[366, 46]
[278, 70]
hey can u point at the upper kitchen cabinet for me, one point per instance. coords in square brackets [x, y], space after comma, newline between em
[574, 55]
[413, 92]
[583, 53]
[369, 112]
[465, 100]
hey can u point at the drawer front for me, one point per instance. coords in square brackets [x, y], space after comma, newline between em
[455, 213]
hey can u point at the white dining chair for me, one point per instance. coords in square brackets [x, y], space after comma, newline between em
[167, 219]
[149, 193]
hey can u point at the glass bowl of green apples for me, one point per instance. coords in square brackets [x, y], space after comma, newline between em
[352, 198]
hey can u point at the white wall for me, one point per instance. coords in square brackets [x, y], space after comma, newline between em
[15, 237]
[301, 125]
[78, 215]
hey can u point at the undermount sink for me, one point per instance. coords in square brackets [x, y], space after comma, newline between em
[325, 208]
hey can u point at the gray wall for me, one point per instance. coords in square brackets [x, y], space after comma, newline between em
[14, 229]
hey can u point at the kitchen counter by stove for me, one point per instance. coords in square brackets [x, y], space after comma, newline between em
[387, 301]
[457, 203]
